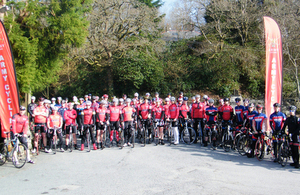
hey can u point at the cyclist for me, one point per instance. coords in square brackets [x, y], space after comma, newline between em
[198, 114]
[211, 118]
[70, 116]
[30, 109]
[147, 96]
[20, 126]
[95, 105]
[144, 115]
[249, 117]
[277, 120]
[136, 96]
[59, 102]
[79, 108]
[55, 120]
[169, 95]
[259, 125]
[102, 117]
[41, 114]
[221, 104]
[239, 115]
[293, 128]
[61, 112]
[115, 114]
[184, 112]
[205, 100]
[173, 115]
[121, 103]
[47, 106]
[86, 98]
[158, 113]
[127, 118]
[88, 115]
[180, 95]
[226, 113]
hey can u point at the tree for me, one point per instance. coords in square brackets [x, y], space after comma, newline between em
[41, 34]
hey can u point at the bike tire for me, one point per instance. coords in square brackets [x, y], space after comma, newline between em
[188, 135]
[3, 153]
[283, 154]
[103, 140]
[145, 136]
[54, 143]
[70, 142]
[133, 136]
[259, 149]
[121, 133]
[21, 153]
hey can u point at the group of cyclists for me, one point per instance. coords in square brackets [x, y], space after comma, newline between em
[94, 118]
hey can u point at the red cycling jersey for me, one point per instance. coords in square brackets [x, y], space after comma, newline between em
[145, 110]
[198, 110]
[174, 111]
[39, 118]
[70, 117]
[127, 112]
[226, 112]
[88, 116]
[102, 111]
[19, 124]
[54, 120]
[166, 108]
[94, 106]
[114, 112]
[184, 109]
[157, 111]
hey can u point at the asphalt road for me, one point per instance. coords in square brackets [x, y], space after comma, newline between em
[181, 169]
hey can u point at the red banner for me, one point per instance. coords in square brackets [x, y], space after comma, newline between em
[273, 65]
[9, 92]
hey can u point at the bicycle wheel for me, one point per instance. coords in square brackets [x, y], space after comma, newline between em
[133, 136]
[103, 140]
[3, 153]
[236, 139]
[283, 154]
[19, 156]
[156, 133]
[259, 149]
[243, 145]
[145, 135]
[227, 142]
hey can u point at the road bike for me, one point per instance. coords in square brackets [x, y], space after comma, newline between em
[263, 146]
[211, 132]
[227, 138]
[284, 153]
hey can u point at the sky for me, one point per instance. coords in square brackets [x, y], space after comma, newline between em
[168, 5]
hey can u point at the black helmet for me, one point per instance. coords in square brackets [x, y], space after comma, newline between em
[237, 99]
[258, 106]
[276, 105]
[226, 99]
[41, 99]
[251, 105]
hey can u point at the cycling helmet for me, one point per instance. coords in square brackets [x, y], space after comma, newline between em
[90, 94]
[33, 97]
[169, 93]
[115, 100]
[124, 95]
[237, 99]
[251, 105]
[211, 101]
[53, 99]
[59, 98]
[276, 105]
[226, 99]
[121, 100]
[205, 97]
[47, 101]
[153, 99]
[167, 99]
[141, 98]
[54, 108]
[193, 98]
[180, 99]
[147, 94]
[94, 98]
[128, 100]
[70, 104]
[185, 98]
[41, 99]
[292, 108]
[86, 96]
[172, 99]
[105, 96]
[102, 102]
[67, 99]
[136, 94]
[81, 99]
[180, 93]
[22, 108]
[246, 101]
[88, 103]
[258, 106]
[198, 96]
[156, 93]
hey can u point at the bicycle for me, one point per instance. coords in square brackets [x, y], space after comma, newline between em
[70, 144]
[284, 152]
[54, 140]
[18, 153]
[39, 137]
[104, 138]
[227, 138]
[156, 133]
[133, 133]
[188, 135]
[200, 136]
